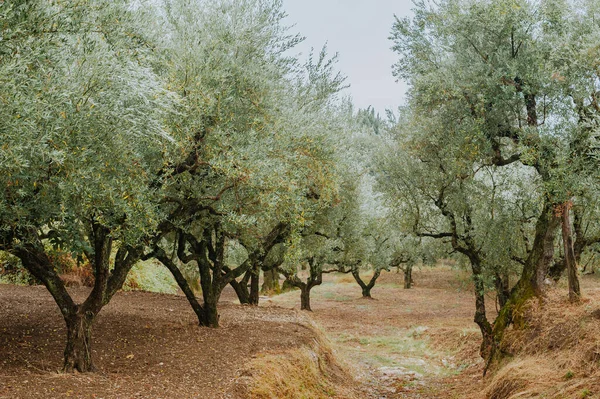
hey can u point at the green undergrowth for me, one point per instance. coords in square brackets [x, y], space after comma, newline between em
[408, 350]
[150, 276]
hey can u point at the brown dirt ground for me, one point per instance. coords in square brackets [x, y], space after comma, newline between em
[145, 345]
[417, 343]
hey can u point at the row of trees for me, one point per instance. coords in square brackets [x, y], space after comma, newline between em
[185, 131]
[496, 149]
[188, 131]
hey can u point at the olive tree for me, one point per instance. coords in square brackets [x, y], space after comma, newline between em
[488, 91]
[252, 130]
[82, 135]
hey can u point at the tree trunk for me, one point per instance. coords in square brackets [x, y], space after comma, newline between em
[366, 291]
[254, 286]
[502, 283]
[480, 314]
[211, 318]
[271, 282]
[531, 282]
[241, 292]
[78, 351]
[182, 282]
[305, 297]
[408, 281]
[570, 260]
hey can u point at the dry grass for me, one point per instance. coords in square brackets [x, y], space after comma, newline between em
[308, 372]
[556, 355]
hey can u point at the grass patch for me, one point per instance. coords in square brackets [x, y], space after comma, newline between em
[336, 296]
[151, 276]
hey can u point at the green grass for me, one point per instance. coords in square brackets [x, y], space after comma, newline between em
[336, 296]
[150, 276]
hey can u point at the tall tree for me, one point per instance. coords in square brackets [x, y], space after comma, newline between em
[486, 86]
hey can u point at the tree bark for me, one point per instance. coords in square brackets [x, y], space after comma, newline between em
[480, 312]
[78, 352]
[211, 313]
[183, 284]
[241, 291]
[408, 281]
[79, 318]
[531, 282]
[305, 297]
[570, 259]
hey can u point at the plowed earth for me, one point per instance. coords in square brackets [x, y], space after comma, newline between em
[144, 345]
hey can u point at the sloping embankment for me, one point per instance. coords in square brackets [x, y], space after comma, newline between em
[555, 355]
[310, 371]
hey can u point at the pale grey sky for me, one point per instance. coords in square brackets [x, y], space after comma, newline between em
[358, 30]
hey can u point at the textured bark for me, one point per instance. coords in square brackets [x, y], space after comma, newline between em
[78, 352]
[570, 260]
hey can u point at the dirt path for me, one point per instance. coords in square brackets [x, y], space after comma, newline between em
[394, 342]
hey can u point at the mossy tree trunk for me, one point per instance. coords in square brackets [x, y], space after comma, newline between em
[531, 282]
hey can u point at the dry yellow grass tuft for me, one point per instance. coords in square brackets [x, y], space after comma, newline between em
[308, 372]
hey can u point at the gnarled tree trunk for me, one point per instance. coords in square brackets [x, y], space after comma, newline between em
[531, 282]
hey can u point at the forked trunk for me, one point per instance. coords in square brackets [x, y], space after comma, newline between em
[79, 342]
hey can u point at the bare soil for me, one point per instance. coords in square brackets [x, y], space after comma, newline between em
[404, 343]
[145, 345]
[416, 343]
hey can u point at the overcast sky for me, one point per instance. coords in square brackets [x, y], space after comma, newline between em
[358, 30]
